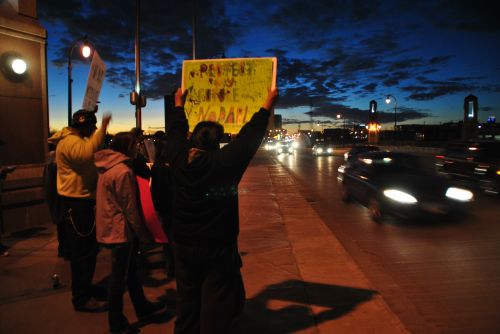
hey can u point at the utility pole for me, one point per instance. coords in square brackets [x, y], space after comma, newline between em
[136, 96]
[194, 3]
[311, 113]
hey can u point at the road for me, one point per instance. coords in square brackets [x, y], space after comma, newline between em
[437, 277]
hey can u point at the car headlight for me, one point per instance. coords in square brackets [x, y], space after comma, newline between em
[319, 150]
[400, 196]
[330, 150]
[459, 194]
[346, 156]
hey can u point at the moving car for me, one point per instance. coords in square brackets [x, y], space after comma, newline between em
[393, 183]
[285, 147]
[475, 163]
[358, 149]
[322, 149]
[270, 145]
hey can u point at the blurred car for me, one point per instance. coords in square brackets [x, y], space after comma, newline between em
[393, 183]
[322, 149]
[475, 163]
[358, 149]
[270, 145]
[285, 147]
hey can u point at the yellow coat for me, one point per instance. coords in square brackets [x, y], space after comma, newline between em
[76, 172]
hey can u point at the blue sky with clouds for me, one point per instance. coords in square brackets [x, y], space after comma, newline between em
[337, 54]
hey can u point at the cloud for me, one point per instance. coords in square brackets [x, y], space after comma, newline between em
[431, 89]
[162, 84]
[165, 34]
[464, 15]
[370, 87]
[330, 51]
[356, 115]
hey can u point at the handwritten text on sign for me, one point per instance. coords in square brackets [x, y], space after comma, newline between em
[228, 91]
[94, 82]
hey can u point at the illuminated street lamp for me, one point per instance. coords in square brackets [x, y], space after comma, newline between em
[86, 51]
[388, 100]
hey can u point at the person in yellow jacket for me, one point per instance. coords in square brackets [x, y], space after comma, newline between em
[76, 185]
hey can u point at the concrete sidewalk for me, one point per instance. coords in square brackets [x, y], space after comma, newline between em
[298, 277]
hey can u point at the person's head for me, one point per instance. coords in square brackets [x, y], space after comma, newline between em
[158, 134]
[206, 136]
[138, 133]
[84, 122]
[124, 142]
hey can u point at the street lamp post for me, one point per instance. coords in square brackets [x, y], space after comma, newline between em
[311, 105]
[388, 100]
[339, 116]
[86, 52]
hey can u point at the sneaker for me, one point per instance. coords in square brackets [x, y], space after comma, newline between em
[150, 310]
[92, 306]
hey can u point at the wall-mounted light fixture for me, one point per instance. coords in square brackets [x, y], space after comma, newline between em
[13, 66]
[19, 66]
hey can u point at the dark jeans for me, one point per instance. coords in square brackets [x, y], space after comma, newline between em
[80, 231]
[124, 273]
[210, 293]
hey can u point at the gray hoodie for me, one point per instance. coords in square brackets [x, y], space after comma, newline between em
[118, 219]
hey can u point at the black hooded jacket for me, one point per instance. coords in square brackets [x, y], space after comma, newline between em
[205, 184]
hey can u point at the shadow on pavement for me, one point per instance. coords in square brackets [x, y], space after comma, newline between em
[30, 233]
[159, 318]
[285, 307]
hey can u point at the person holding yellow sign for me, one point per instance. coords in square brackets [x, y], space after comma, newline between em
[210, 292]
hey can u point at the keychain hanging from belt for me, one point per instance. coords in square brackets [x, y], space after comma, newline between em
[81, 234]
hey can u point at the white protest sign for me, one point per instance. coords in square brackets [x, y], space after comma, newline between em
[94, 82]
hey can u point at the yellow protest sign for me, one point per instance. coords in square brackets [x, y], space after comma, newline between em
[228, 91]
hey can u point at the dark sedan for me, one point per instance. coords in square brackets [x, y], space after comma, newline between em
[359, 149]
[322, 149]
[392, 183]
[473, 163]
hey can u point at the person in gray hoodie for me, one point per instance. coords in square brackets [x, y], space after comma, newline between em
[119, 226]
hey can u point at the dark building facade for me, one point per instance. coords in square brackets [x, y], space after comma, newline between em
[23, 114]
